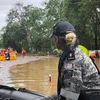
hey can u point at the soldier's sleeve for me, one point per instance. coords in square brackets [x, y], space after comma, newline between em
[71, 80]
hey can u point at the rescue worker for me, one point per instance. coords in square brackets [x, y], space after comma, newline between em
[78, 78]
[7, 54]
[23, 52]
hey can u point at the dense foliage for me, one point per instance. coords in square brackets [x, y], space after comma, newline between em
[30, 27]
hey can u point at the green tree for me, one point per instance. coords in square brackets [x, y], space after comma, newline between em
[30, 27]
[20, 14]
[85, 17]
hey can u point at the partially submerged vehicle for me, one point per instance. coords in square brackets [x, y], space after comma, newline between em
[10, 93]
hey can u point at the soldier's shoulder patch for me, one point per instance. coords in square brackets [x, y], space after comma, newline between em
[67, 66]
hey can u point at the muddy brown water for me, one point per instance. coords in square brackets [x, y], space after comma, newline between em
[35, 75]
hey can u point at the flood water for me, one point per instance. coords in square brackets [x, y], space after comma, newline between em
[35, 75]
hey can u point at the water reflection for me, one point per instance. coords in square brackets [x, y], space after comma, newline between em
[34, 75]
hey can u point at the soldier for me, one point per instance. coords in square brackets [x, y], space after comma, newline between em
[78, 78]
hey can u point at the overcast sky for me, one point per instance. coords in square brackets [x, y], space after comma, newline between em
[5, 5]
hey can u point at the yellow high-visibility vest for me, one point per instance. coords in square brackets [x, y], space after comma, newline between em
[84, 49]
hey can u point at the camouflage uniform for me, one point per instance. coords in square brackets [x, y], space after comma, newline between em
[78, 75]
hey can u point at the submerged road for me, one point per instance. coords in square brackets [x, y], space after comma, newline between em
[5, 66]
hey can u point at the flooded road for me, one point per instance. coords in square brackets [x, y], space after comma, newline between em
[97, 61]
[35, 75]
